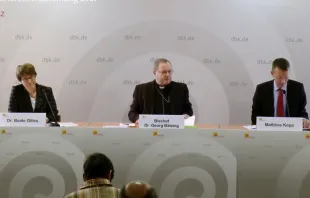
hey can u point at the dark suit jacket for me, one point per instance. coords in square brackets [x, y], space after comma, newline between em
[20, 101]
[263, 100]
[143, 100]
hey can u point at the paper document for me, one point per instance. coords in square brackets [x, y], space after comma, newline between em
[114, 126]
[190, 121]
[250, 127]
[127, 124]
[67, 124]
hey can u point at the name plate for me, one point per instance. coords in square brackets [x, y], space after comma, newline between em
[279, 124]
[23, 119]
[161, 121]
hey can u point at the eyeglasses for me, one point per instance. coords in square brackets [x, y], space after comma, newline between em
[25, 79]
[165, 72]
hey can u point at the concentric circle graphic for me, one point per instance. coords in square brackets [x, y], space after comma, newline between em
[177, 166]
[200, 175]
[293, 174]
[39, 165]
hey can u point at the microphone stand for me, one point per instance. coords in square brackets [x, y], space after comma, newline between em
[52, 124]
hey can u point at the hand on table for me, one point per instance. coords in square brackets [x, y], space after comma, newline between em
[186, 116]
[306, 123]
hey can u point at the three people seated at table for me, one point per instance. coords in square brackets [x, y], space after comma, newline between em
[280, 97]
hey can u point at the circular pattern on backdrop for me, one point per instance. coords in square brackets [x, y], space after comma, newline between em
[143, 38]
[293, 175]
[42, 165]
[195, 170]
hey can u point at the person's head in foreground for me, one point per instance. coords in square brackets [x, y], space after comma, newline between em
[96, 166]
[138, 189]
[98, 174]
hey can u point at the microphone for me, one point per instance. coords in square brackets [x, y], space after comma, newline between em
[53, 124]
[288, 110]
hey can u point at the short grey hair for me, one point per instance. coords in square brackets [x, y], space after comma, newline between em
[160, 60]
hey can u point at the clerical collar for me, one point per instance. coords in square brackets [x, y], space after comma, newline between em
[162, 86]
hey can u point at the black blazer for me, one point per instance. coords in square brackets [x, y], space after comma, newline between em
[263, 100]
[20, 101]
[143, 100]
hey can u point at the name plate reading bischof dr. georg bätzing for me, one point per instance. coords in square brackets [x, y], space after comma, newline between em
[279, 124]
[161, 121]
[23, 119]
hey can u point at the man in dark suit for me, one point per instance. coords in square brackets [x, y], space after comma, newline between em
[280, 97]
[161, 96]
[30, 96]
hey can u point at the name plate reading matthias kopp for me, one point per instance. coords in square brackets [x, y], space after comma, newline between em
[161, 121]
[279, 124]
[23, 119]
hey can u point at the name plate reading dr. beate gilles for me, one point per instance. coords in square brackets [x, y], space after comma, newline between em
[23, 119]
[279, 124]
[161, 121]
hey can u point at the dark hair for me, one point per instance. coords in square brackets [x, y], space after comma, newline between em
[98, 165]
[151, 193]
[158, 61]
[281, 63]
[25, 69]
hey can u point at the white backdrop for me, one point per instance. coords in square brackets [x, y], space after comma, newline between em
[93, 53]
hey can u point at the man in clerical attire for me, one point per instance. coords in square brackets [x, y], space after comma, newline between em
[160, 96]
